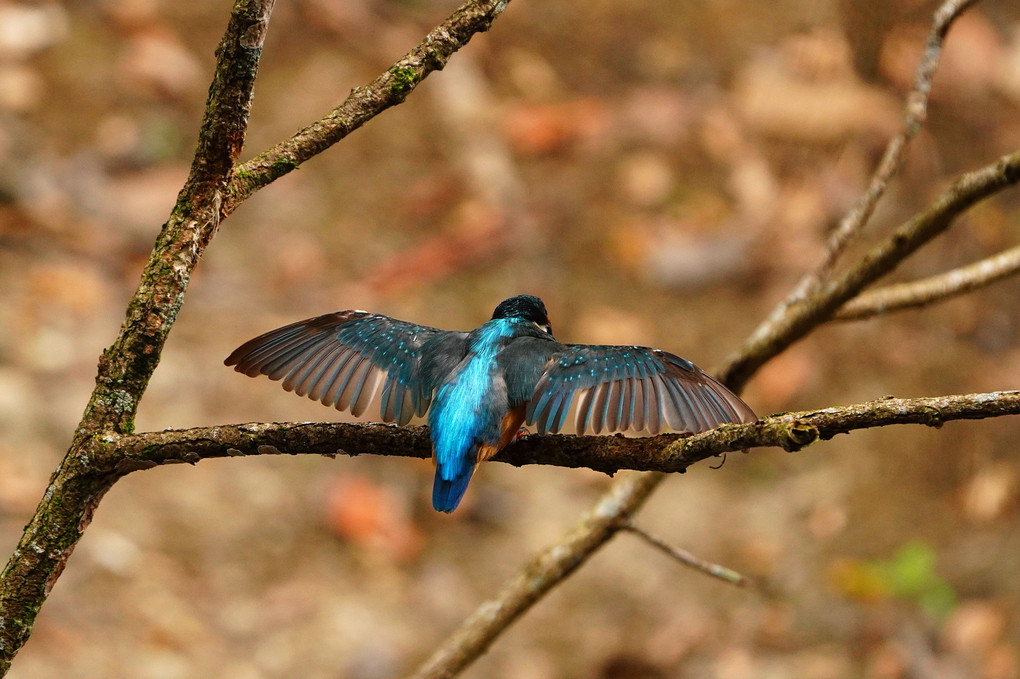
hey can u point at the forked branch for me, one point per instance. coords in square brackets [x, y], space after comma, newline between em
[213, 189]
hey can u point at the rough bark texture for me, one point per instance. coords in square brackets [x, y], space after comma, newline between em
[812, 302]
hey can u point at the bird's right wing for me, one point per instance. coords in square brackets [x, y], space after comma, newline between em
[637, 388]
[344, 359]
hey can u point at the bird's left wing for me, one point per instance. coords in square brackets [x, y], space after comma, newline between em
[619, 388]
[343, 359]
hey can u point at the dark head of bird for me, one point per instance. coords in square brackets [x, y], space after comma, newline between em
[528, 307]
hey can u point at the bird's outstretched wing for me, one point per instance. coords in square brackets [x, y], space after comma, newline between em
[343, 359]
[619, 388]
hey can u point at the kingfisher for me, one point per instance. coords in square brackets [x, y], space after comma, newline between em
[478, 388]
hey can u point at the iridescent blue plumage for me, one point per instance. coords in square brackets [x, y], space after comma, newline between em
[479, 387]
[467, 413]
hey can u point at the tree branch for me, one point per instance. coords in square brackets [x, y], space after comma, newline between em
[927, 291]
[790, 431]
[212, 191]
[540, 574]
[104, 449]
[915, 114]
[773, 337]
[122, 454]
[364, 103]
[686, 558]
[630, 491]
[125, 368]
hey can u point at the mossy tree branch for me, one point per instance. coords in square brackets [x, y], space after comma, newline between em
[630, 491]
[125, 368]
[915, 114]
[104, 449]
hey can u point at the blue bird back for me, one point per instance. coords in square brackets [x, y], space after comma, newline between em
[467, 412]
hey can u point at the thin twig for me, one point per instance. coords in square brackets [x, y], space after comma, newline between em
[806, 315]
[364, 103]
[914, 117]
[927, 291]
[540, 574]
[628, 493]
[686, 558]
[853, 223]
[480, 630]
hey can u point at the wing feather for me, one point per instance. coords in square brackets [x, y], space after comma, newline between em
[583, 415]
[622, 388]
[654, 406]
[367, 390]
[350, 359]
[304, 380]
[334, 381]
[563, 406]
[599, 407]
[638, 409]
[613, 406]
[354, 375]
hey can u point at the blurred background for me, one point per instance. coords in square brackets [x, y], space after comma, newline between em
[660, 173]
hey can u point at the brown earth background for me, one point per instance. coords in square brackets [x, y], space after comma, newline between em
[660, 173]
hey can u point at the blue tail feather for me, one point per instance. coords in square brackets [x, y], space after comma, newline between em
[447, 493]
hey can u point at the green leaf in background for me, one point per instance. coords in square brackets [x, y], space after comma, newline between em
[910, 575]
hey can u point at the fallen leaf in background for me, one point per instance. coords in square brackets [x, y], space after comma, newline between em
[781, 380]
[682, 259]
[970, 64]
[479, 236]
[974, 628]
[1008, 78]
[427, 201]
[908, 575]
[887, 661]
[822, 101]
[655, 116]
[611, 325]
[21, 88]
[66, 286]
[547, 129]
[371, 516]
[988, 494]
[157, 63]
[28, 29]
[646, 178]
